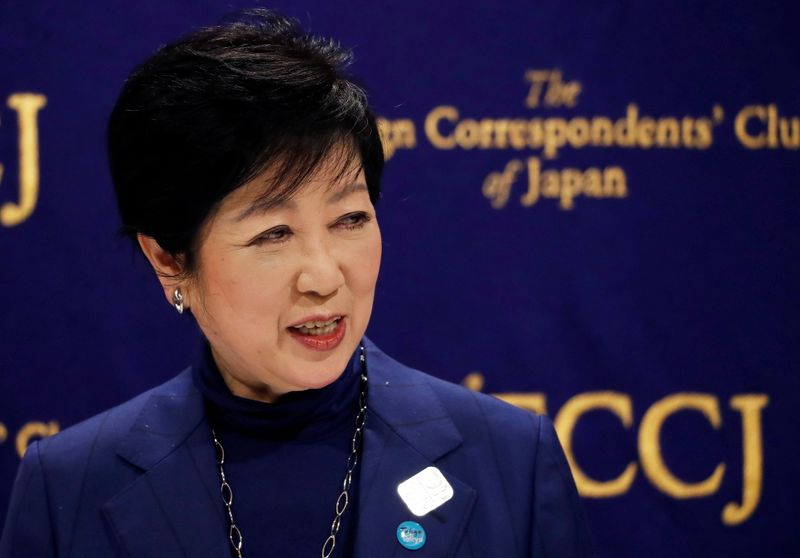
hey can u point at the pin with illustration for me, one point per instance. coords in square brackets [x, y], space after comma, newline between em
[411, 535]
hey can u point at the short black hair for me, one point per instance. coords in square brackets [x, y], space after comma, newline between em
[211, 111]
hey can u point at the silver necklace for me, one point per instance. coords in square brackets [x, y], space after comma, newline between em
[235, 536]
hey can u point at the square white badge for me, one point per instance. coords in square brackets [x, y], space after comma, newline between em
[425, 491]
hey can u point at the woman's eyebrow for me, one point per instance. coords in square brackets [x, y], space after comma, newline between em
[346, 191]
[261, 206]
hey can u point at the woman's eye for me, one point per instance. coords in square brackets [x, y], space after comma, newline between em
[354, 220]
[273, 236]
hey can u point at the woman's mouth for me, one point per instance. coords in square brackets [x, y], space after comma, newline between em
[318, 328]
[320, 335]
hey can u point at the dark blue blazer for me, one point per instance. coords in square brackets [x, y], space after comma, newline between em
[140, 480]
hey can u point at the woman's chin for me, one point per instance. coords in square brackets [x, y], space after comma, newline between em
[320, 378]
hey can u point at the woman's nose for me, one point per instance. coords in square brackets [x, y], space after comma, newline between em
[320, 273]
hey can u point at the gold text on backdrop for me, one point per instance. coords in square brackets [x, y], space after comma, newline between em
[396, 134]
[29, 432]
[27, 107]
[445, 128]
[548, 87]
[763, 127]
[649, 440]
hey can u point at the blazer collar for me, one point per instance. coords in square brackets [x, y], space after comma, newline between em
[407, 430]
[175, 506]
[403, 398]
[399, 395]
[171, 412]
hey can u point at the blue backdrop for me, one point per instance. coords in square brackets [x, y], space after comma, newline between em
[590, 209]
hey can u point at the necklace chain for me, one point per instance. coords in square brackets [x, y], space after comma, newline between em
[235, 535]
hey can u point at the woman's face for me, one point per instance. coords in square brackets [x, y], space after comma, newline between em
[266, 274]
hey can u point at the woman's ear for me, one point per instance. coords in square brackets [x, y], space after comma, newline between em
[167, 267]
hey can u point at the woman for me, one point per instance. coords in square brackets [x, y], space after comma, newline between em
[246, 166]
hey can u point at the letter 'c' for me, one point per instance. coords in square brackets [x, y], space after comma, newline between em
[568, 416]
[438, 114]
[650, 444]
[740, 127]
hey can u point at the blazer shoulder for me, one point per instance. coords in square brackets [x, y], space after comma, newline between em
[103, 430]
[478, 416]
[486, 416]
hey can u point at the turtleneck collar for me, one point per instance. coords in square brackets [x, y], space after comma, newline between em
[301, 415]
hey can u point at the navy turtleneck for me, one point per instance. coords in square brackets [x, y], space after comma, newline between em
[285, 461]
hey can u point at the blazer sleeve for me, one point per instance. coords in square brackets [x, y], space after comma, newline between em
[559, 523]
[28, 531]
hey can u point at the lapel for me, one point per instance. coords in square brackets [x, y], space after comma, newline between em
[407, 431]
[174, 508]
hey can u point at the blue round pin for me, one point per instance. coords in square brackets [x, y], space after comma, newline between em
[411, 535]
